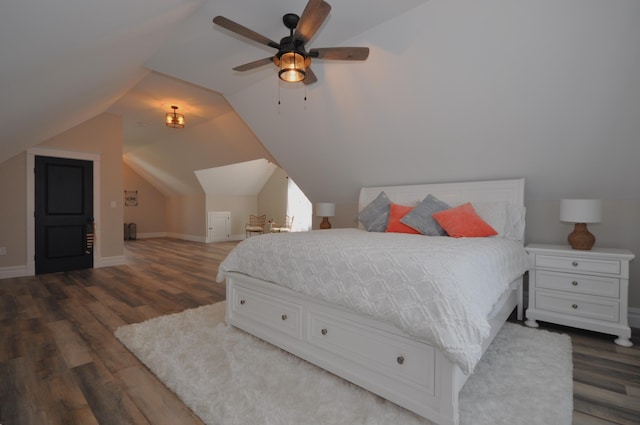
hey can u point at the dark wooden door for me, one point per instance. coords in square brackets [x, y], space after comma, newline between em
[63, 214]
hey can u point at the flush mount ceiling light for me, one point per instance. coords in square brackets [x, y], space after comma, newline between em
[292, 58]
[174, 119]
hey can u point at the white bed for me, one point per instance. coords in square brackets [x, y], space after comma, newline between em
[378, 355]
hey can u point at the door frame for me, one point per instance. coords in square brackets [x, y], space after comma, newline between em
[31, 200]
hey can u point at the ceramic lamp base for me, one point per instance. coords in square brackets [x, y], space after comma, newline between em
[581, 238]
[325, 223]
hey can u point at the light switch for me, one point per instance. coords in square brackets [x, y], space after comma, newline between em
[113, 204]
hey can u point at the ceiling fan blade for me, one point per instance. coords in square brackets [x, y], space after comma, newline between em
[340, 53]
[309, 77]
[244, 31]
[253, 65]
[312, 18]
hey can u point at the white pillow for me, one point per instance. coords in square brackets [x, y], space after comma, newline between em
[507, 219]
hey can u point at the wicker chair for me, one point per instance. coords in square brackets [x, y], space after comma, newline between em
[256, 224]
[288, 222]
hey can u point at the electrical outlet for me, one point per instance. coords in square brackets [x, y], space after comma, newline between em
[3, 250]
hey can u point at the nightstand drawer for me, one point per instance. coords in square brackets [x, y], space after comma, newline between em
[576, 306]
[577, 264]
[581, 284]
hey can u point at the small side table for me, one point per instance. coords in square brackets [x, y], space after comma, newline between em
[582, 289]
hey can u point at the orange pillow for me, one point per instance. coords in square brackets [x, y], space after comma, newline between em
[463, 222]
[396, 212]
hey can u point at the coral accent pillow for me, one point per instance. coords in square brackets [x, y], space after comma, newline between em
[463, 222]
[396, 212]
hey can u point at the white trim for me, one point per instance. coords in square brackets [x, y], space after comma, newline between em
[634, 317]
[31, 233]
[151, 235]
[119, 260]
[12, 271]
[192, 238]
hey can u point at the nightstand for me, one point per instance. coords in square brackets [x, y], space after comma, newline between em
[582, 289]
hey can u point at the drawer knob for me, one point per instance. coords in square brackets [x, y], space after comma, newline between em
[574, 264]
[324, 332]
[574, 283]
[242, 301]
[284, 317]
[400, 359]
[574, 306]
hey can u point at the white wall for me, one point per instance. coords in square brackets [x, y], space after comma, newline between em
[475, 89]
[239, 206]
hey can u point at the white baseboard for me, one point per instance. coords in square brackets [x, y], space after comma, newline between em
[13, 271]
[21, 271]
[192, 238]
[229, 239]
[634, 317]
[111, 261]
[151, 235]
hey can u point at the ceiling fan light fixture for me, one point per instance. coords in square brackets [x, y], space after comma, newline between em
[292, 67]
[292, 58]
[174, 119]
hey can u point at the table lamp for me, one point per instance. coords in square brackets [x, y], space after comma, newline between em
[581, 212]
[325, 210]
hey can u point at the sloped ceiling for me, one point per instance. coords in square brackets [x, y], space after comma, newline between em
[214, 134]
[452, 90]
[242, 179]
[458, 90]
[68, 61]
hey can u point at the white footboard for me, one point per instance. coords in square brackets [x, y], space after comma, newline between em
[371, 354]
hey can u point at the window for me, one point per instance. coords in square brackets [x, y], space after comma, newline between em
[299, 207]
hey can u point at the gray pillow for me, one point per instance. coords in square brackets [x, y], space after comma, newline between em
[374, 217]
[420, 218]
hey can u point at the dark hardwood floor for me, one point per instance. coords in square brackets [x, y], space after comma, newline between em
[61, 364]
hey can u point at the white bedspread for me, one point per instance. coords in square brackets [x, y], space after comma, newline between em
[437, 289]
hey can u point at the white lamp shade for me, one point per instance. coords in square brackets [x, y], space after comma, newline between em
[325, 209]
[581, 210]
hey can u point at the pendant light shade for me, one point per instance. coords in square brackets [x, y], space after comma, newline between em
[174, 119]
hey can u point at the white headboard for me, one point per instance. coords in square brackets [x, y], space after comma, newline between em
[511, 191]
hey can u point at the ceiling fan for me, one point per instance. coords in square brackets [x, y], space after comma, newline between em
[292, 58]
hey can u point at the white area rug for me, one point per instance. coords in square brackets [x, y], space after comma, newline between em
[228, 377]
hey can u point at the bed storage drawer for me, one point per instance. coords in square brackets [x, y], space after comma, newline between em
[409, 361]
[273, 312]
[367, 352]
